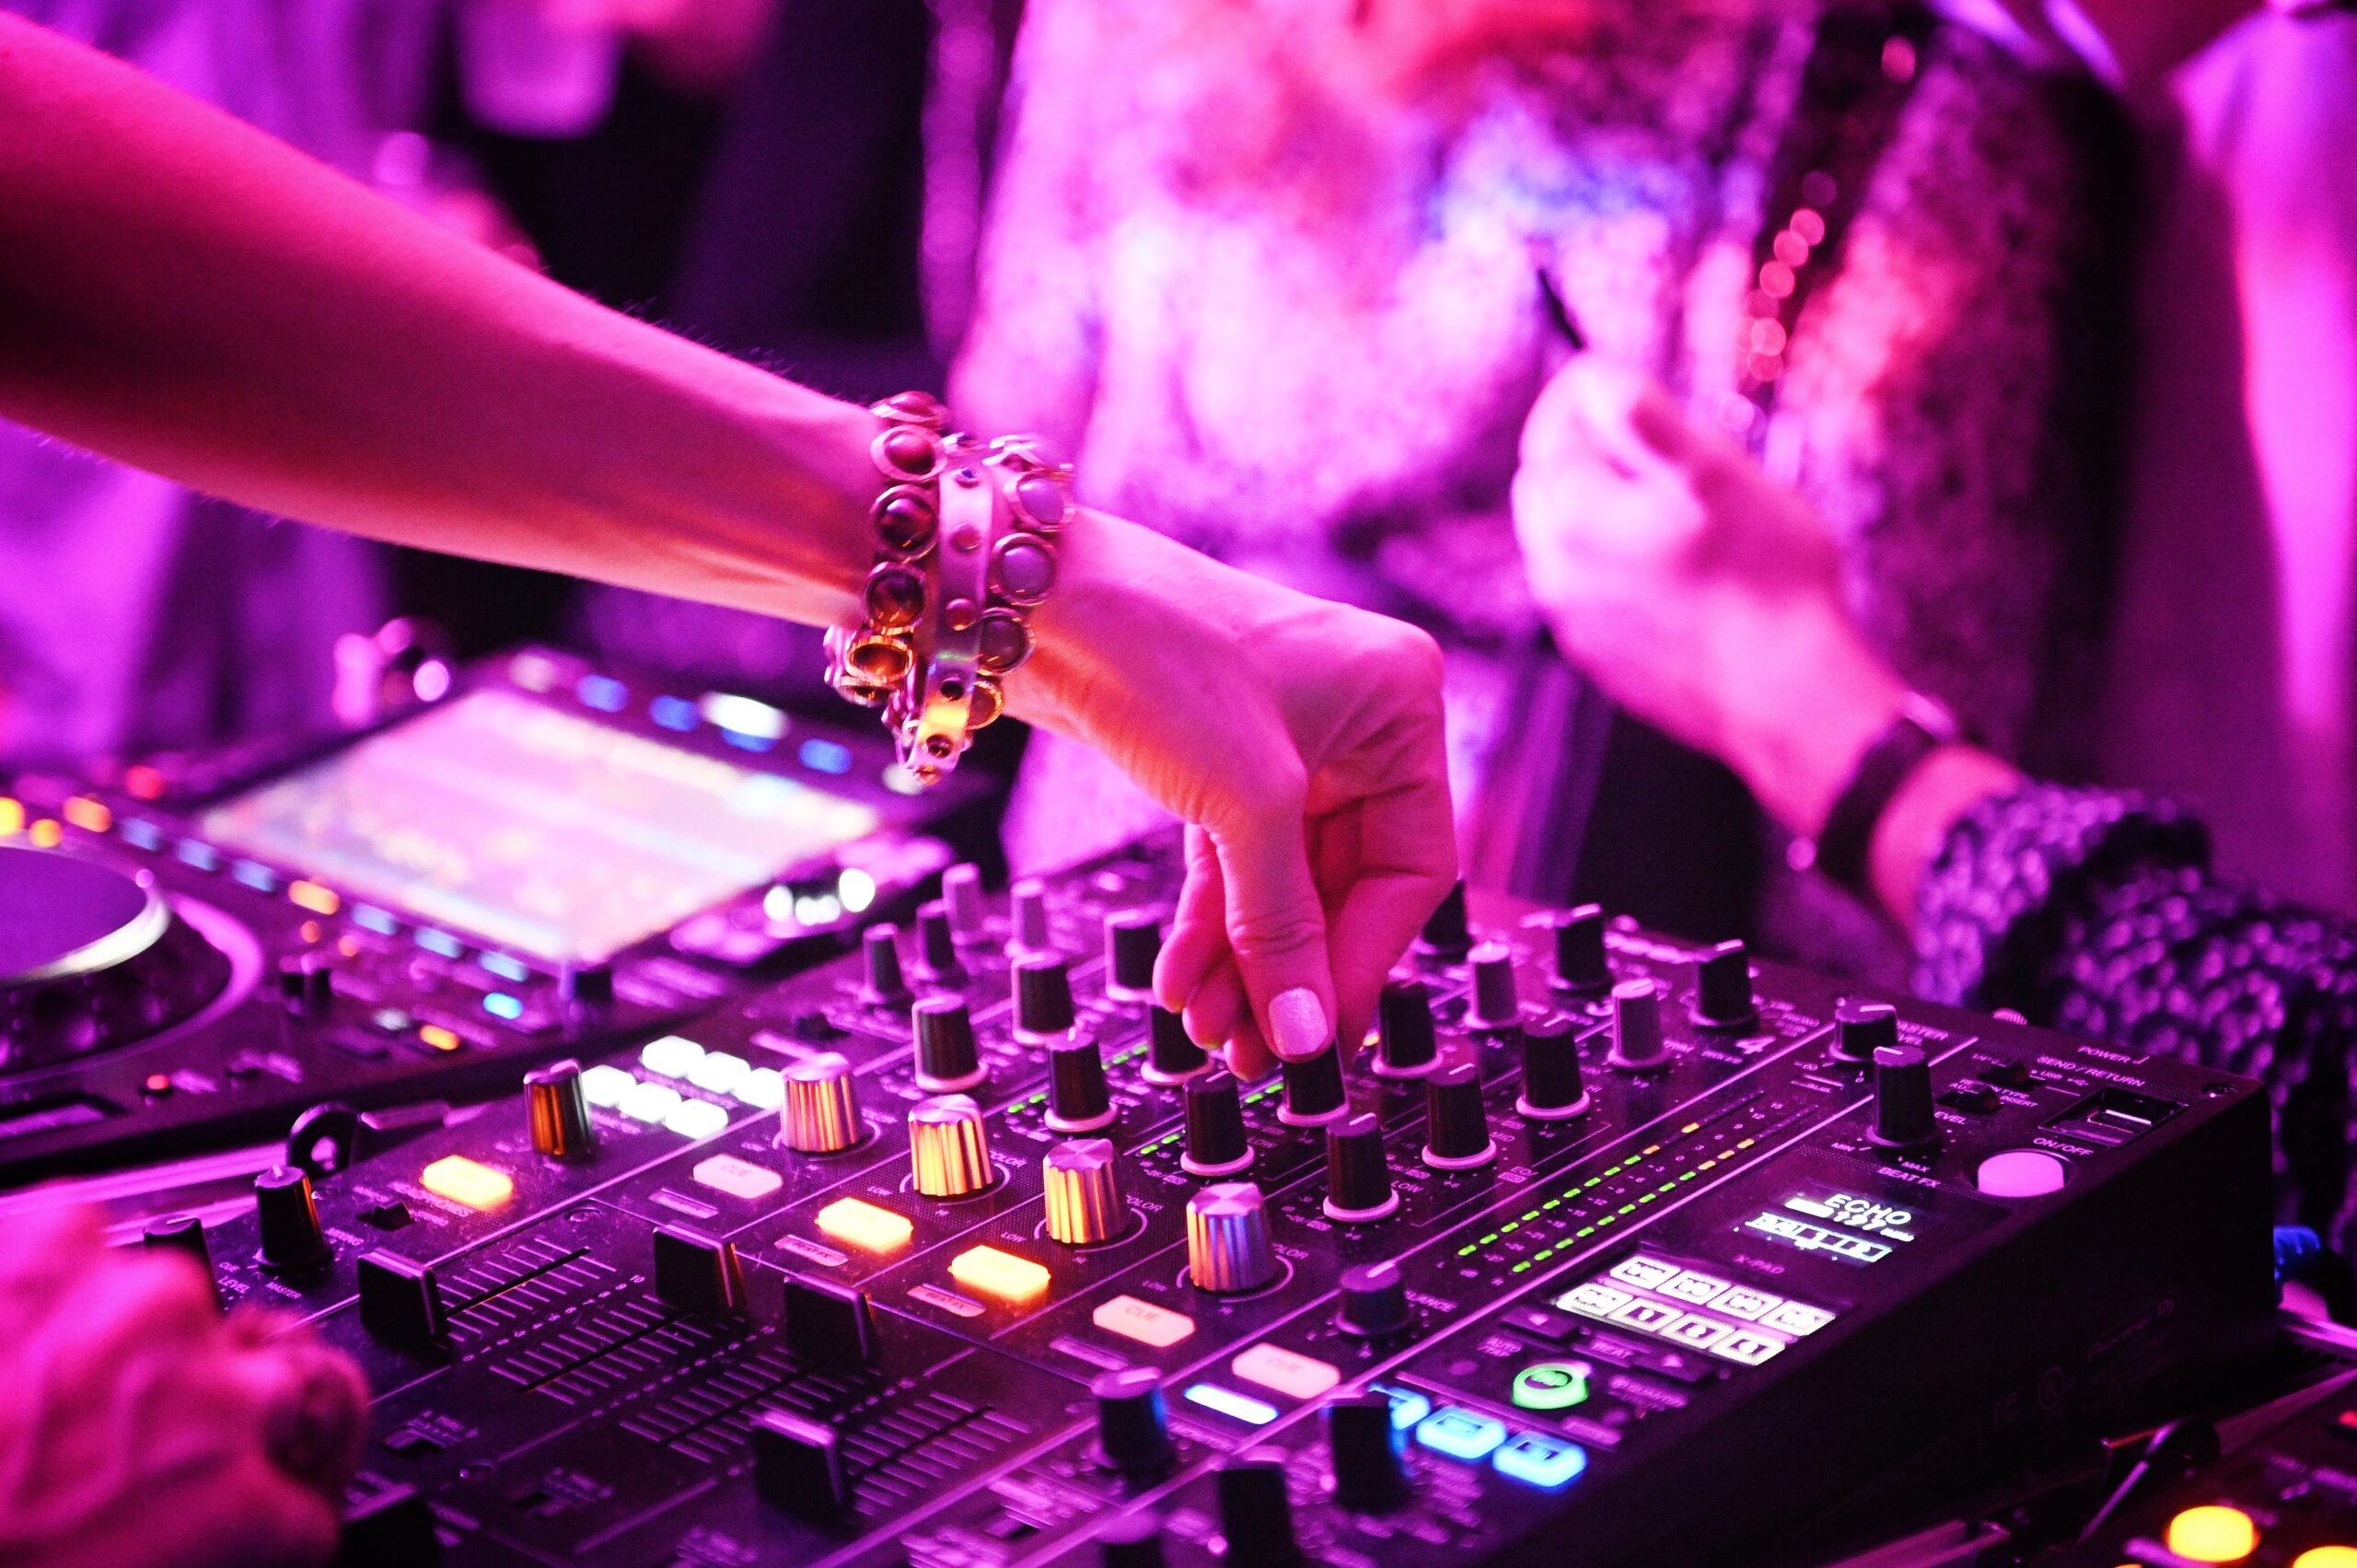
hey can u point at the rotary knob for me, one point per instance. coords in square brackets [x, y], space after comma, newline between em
[1358, 1172]
[1580, 962]
[558, 1109]
[1314, 1093]
[1043, 997]
[1172, 1055]
[961, 895]
[307, 982]
[1551, 1089]
[1255, 1513]
[1374, 1301]
[1078, 1098]
[937, 959]
[1862, 1029]
[1903, 1115]
[1723, 988]
[821, 1115]
[1133, 1426]
[1405, 1046]
[1446, 934]
[1215, 1143]
[1457, 1124]
[1133, 942]
[1228, 1240]
[1082, 1181]
[1637, 1045]
[949, 1147]
[948, 1062]
[292, 1239]
[882, 984]
[1497, 1004]
[183, 1234]
[1028, 919]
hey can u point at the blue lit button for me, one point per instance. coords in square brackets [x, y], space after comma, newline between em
[1460, 1434]
[504, 967]
[1408, 1407]
[826, 756]
[254, 875]
[1542, 1461]
[674, 713]
[602, 693]
[1228, 1402]
[499, 1005]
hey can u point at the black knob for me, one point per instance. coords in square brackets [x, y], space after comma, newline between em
[1042, 995]
[400, 1301]
[1723, 988]
[1551, 1071]
[1497, 1004]
[697, 1272]
[1255, 1515]
[1026, 919]
[881, 982]
[307, 982]
[1457, 1124]
[1862, 1029]
[557, 1107]
[1446, 934]
[1312, 1089]
[585, 985]
[290, 1236]
[183, 1234]
[1580, 962]
[1215, 1143]
[1637, 1044]
[1132, 1540]
[1903, 1115]
[961, 894]
[828, 1324]
[1172, 1055]
[1370, 1474]
[1375, 1301]
[1404, 1044]
[1358, 1172]
[1133, 1427]
[937, 959]
[798, 1466]
[1132, 941]
[1078, 1100]
[948, 1062]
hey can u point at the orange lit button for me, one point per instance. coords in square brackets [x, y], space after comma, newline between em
[2212, 1534]
[438, 1037]
[2327, 1557]
[1001, 1274]
[12, 817]
[90, 816]
[46, 833]
[1273, 1366]
[312, 897]
[461, 1180]
[863, 1224]
[738, 1178]
[1143, 1321]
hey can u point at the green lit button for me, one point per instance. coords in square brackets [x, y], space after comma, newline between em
[1551, 1385]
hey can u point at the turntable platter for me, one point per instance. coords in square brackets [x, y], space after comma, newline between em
[63, 915]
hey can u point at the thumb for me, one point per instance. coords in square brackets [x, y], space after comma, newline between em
[1276, 928]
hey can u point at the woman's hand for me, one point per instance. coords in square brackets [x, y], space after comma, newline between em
[137, 1426]
[1300, 742]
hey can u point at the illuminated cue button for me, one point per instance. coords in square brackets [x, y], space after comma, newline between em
[650, 1103]
[1143, 1321]
[719, 1072]
[1552, 1385]
[1542, 1461]
[1408, 1407]
[461, 1180]
[1459, 1434]
[673, 1056]
[857, 1222]
[2214, 1534]
[1001, 1274]
[764, 1088]
[1228, 1402]
[2327, 1557]
[605, 1086]
[738, 1178]
[1273, 1366]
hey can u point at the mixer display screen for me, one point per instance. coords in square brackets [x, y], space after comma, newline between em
[1840, 1225]
[536, 829]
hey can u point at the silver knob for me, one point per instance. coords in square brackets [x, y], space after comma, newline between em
[1228, 1238]
[1636, 1028]
[949, 1147]
[822, 1112]
[1083, 1179]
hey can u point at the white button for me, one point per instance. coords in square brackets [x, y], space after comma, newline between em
[604, 1086]
[650, 1103]
[1742, 1300]
[673, 1056]
[1749, 1347]
[697, 1119]
[1647, 1317]
[2022, 1173]
[738, 1178]
[718, 1072]
[1696, 1332]
[1594, 1300]
[1696, 1288]
[1645, 1273]
[1794, 1318]
[764, 1088]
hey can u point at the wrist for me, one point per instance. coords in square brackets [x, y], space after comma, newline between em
[1813, 699]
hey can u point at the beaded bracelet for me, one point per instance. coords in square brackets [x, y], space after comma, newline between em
[966, 537]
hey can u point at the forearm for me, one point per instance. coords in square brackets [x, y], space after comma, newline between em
[184, 295]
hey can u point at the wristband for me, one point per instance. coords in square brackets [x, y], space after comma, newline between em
[1843, 850]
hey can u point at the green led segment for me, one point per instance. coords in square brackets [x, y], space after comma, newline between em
[1552, 1385]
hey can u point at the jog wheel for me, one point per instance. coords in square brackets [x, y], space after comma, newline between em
[91, 959]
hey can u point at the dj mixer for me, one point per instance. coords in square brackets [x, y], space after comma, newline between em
[551, 859]
[1608, 1250]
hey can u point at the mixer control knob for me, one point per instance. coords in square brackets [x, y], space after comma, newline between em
[586, 985]
[183, 1234]
[1457, 1124]
[1446, 934]
[1903, 1115]
[827, 1323]
[1862, 1029]
[307, 982]
[1078, 1099]
[1580, 962]
[1358, 1173]
[400, 1301]
[1082, 1181]
[948, 1062]
[291, 1237]
[1172, 1057]
[558, 1109]
[1133, 1427]
[1133, 942]
[1228, 1238]
[697, 1272]
[961, 893]
[1215, 1143]
[1370, 1473]
[1028, 919]
[949, 1147]
[1637, 1044]
[881, 982]
[1404, 1043]
[1497, 1004]
[1375, 1301]
[1042, 996]
[798, 1466]
[1551, 1089]
[1314, 1092]
[937, 959]
[1255, 1515]
[1132, 1540]
[1723, 988]
[821, 1115]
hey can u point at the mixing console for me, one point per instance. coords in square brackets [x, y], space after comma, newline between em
[1612, 1250]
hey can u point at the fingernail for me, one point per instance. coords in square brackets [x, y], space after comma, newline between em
[1298, 1029]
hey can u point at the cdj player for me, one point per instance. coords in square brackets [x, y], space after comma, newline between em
[547, 860]
[1610, 1251]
